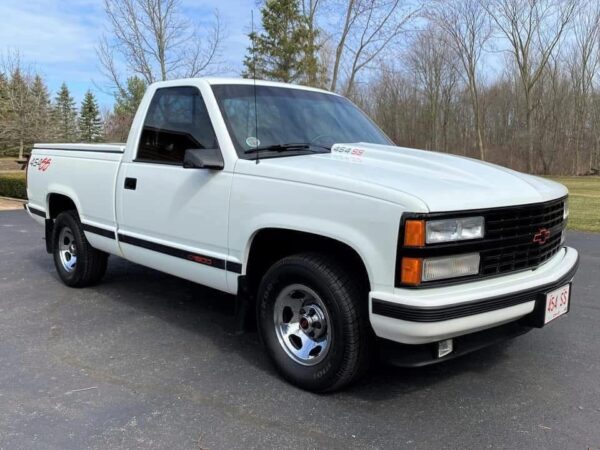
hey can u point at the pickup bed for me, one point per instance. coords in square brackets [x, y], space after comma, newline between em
[342, 246]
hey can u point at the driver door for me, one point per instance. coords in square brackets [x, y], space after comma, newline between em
[170, 218]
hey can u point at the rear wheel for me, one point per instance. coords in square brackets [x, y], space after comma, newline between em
[78, 264]
[312, 319]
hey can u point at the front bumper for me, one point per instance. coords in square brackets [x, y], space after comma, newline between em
[404, 355]
[429, 315]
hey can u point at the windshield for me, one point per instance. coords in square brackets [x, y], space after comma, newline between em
[291, 116]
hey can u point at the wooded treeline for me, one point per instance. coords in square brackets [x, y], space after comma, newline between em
[541, 114]
[28, 114]
[512, 82]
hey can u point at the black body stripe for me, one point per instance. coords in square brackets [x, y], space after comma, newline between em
[218, 263]
[441, 313]
[99, 231]
[233, 267]
[37, 212]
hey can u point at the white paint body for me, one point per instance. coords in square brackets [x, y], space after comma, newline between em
[356, 199]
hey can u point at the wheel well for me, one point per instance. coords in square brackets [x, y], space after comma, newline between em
[271, 244]
[58, 203]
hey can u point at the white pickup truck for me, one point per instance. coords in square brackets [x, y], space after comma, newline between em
[346, 246]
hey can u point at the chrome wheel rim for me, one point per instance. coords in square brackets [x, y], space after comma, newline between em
[67, 249]
[301, 323]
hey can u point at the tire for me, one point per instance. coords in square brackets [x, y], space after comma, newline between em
[313, 320]
[78, 264]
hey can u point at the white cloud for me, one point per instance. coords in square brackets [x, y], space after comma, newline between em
[58, 37]
[46, 33]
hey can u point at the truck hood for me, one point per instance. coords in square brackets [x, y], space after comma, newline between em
[426, 180]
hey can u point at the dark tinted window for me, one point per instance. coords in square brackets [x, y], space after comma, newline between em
[177, 120]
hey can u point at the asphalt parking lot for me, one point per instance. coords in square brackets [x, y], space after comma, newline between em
[146, 360]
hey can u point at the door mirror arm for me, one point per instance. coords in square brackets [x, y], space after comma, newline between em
[203, 158]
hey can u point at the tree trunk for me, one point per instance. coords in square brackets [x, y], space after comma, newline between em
[479, 139]
[478, 125]
[476, 114]
[340, 46]
[528, 115]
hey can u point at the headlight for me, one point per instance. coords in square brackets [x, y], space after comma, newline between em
[450, 267]
[451, 230]
[417, 270]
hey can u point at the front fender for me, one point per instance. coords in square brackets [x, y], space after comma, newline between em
[368, 225]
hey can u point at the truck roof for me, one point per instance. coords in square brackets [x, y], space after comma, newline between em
[237, 80]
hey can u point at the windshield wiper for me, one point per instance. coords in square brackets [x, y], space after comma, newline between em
[289, 147]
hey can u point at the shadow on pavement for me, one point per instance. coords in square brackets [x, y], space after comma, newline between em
[210, 313]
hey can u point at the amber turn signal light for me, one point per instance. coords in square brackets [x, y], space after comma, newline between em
[411, 271]
[414, 233]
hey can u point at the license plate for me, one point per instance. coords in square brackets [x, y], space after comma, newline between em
[557, 303]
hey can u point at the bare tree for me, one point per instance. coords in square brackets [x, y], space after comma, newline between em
[309, 9]
[348, 24]
[583, 61]
[533, 29]
[368, 28]
[435, 73]
[467, 26]
[154, 41]
[554, 107]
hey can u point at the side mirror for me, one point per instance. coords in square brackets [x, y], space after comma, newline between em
[203, 158]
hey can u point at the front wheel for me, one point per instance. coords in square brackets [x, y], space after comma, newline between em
[78, 264]
[312, 318]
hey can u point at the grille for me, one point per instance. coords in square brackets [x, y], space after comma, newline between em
[510, 232]
[508, 244]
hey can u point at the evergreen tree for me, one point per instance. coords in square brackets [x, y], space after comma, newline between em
[4, 113]
[129, 99]
[286, 50]
[25, 111]
[3, 95]
[65, 115]
[90, 124]
[41, 111]
[117, 124]
[18, 122]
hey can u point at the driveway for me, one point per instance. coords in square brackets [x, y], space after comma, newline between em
[8, 204]
[146, 360]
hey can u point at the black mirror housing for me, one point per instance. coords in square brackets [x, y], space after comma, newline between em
[203, 158]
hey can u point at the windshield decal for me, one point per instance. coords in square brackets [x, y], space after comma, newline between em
[252, 142]
[347, 150]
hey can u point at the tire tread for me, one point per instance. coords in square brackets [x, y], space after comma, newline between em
[93, 261]
[357, 334]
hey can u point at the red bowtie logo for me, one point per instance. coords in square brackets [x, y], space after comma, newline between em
[542, 236]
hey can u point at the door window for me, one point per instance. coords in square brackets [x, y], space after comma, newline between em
[177, 120]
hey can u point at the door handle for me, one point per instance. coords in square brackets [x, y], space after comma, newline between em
[130, 183]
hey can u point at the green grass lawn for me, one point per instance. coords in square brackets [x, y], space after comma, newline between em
[584, 202]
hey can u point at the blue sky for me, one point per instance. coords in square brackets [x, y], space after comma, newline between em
[58, 37]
